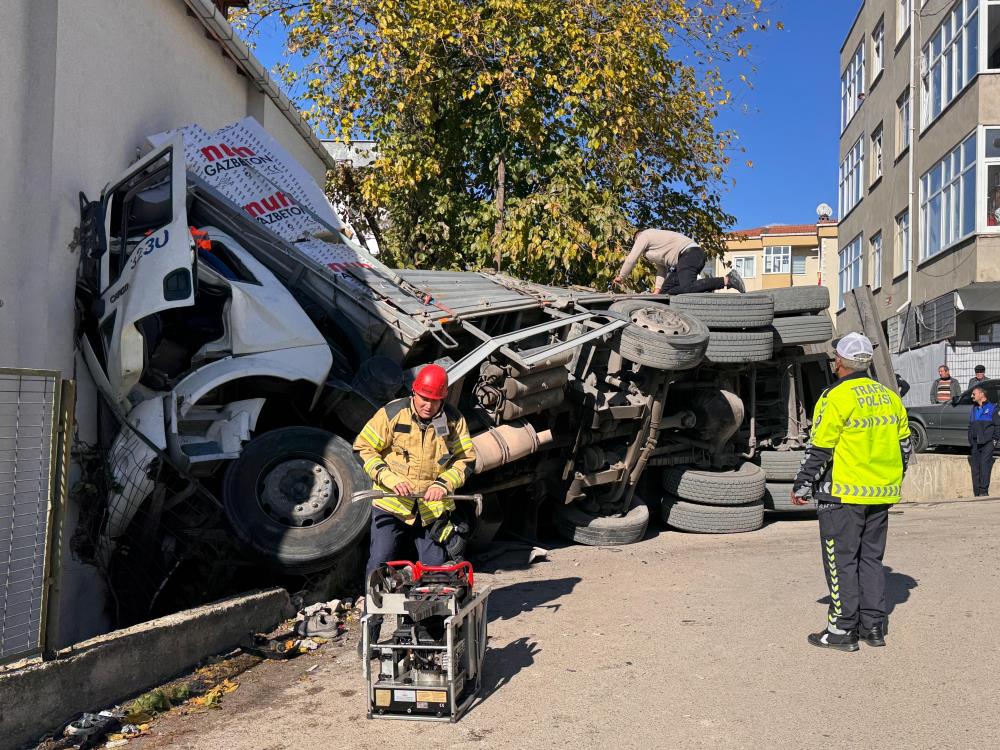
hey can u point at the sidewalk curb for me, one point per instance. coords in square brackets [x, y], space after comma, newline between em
[102, 671]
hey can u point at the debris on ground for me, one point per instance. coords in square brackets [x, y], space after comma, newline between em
[325, 619]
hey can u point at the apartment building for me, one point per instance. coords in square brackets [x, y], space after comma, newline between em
[919, 177]
[781, 255]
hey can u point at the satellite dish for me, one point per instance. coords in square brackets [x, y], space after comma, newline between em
[823, 211]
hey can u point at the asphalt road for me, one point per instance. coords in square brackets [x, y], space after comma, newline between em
[682, 641]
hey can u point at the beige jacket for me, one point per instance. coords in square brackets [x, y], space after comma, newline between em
[661, 247]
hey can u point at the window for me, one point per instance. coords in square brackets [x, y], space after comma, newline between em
[876, 166]
[903, 122]
[950, 59]
[988, 332]
[992, 186]
[878, 50]
[903, 10]
[852, 86]
[875, 260]
[798, 265]
[947, 199]
[850, 269]
[901, 243]
[852, 178]
[778, 259]
[993, 36]
[745, 266]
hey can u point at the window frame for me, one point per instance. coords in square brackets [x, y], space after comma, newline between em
[902, 256]
[982, 181]
[736, 260]
[876, 143]
[949, 62]
[875, 260]
[903, 126]
[904, 8]
[852, 86]
[852, 174]
[856, 262]
[877, 41]
[784, 257]
[949, 180]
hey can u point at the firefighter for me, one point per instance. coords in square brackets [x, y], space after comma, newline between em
[984, 433]
[854, 467]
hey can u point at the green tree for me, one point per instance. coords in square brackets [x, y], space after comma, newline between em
[533, 136]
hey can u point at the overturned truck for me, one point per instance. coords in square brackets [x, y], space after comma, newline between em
[242, 341]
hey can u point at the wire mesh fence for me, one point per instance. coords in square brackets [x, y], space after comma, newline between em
[28, 408]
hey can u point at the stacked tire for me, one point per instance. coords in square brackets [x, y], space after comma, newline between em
[780, 468]
[659, 336]
[714, 502]
[801, 316]
[739, 325]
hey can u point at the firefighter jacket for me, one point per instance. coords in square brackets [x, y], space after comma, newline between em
[860, 444]
[984, 424]
[397, 446]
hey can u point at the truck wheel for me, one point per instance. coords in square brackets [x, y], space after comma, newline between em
[577, 525]
[660, 337]
[711, 519]
[740, 347]
[736, 487]
[781, 466]
[777, 499]
[726, 311]
[800, 299]
[918, 437]
[288, 498]
[802, 329]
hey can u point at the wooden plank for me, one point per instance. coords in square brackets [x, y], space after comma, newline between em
[860, 316]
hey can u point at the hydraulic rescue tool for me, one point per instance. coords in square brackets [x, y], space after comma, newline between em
[430, 665]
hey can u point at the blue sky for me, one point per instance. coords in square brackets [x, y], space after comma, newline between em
[788, 122]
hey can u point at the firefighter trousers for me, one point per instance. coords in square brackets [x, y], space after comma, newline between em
[388, 536]
[853, 542]
[981, 459]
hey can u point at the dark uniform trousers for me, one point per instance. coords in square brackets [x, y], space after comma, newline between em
[981, 458]
[853, 540]
[388, 535]
[684, 278]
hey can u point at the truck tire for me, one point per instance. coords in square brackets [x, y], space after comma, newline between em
[577, 525]
[726, 311]
[660, 337]
[777, 499]
[740, 347]
[802, 329]
[711, 519]
[799, 299]
[288, 498]
[781, 466]
[737, 487]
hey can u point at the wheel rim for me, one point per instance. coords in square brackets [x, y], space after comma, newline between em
[298, 492]
[661, 321]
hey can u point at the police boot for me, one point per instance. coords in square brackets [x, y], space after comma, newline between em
[840, 642]
[873, 636]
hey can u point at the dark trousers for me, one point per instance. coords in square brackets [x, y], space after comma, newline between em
[981, 459]
[388, 536]
[853, 542]
[684, 278]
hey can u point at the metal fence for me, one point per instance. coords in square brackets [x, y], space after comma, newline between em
[31, 479]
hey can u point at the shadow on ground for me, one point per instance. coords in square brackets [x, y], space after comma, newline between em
[508, 602]
[897, 589]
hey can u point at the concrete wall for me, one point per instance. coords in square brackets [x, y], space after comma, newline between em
[934, 476]
[84, 81]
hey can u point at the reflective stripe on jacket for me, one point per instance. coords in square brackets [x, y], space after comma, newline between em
[862, 428]
[396, 446]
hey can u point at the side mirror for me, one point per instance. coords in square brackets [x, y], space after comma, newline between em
[955, 400]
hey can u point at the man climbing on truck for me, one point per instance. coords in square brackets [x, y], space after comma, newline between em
[678, 260]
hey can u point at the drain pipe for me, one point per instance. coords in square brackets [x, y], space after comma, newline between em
[912, 261]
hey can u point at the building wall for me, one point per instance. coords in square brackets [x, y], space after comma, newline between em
[84, 82]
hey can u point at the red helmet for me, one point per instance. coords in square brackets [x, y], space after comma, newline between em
[431, 382]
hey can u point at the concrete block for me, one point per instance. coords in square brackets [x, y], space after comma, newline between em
[940, 476]
[105, 670]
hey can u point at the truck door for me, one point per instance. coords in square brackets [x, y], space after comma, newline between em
[145, 262]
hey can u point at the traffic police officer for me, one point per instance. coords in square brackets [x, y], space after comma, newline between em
[984, 433]
[419, 451]
[854, 468]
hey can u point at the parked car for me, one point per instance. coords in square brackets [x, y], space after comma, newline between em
[947, 423]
